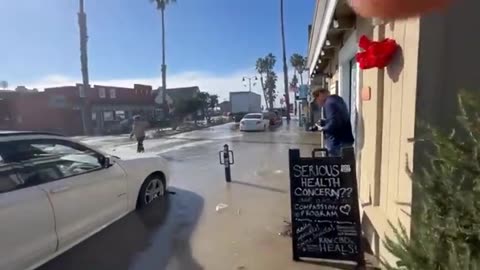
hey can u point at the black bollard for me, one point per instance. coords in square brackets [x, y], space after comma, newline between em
[226, 160]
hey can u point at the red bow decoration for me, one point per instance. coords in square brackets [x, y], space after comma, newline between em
[376, 53]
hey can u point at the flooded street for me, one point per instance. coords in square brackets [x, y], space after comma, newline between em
[205, 223]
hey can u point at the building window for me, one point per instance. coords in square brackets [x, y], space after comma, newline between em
[81, 91]
[101, 92]
[57, 101]
[94, 116]
[108, 116]
[113, 93]
[120, 115]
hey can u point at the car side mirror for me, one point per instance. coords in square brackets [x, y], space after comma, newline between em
[106, 162]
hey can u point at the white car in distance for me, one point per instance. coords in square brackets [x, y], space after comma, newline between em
[55, 193]
[254, 122]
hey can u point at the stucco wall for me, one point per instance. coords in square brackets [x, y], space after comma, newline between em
[388, 120]
[385, 124]
[371, 120]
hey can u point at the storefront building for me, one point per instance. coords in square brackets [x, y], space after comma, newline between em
[434, 60]
[58, 109]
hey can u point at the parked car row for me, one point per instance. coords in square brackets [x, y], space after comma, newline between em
[275, 117]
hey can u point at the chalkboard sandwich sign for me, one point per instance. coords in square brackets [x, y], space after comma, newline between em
[324, 206]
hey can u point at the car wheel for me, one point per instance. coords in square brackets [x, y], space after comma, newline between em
[153, 188]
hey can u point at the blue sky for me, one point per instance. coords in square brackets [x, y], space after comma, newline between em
[206, 40]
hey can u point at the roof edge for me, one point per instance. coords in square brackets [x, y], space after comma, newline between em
[327, 11]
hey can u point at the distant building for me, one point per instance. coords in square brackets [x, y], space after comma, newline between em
[37, 111]
[6, 115]
[225, 107]
[58, 109]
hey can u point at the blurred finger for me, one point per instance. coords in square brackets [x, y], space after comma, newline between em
[396, 8]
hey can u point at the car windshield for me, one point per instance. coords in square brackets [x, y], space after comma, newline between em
[252, 116]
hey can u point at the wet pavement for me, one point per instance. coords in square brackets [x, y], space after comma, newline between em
[185, 231]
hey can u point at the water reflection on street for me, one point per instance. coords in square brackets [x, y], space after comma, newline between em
[187, 232]
[151, 238]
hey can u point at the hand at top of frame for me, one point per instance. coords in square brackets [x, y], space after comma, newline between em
[396, 8]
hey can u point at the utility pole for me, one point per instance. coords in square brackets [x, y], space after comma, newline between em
[250, 82]
[284, 56]
[82, 23]
[164, 65]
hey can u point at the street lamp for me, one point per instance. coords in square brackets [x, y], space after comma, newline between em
[244, 80]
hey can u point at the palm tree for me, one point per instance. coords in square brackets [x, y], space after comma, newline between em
[213, 103]
[161, 5]
[298, 62]
[203, 99]
[262, 69]
[271, 85]
[284, 58]
[265, 67]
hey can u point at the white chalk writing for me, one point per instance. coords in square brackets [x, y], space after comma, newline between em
[342, 245]
[317, 206]
[313, 182]
[309, 233]
[316, 170]
[328, 192]
[345, 168]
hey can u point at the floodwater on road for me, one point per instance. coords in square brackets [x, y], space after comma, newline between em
[206, 223]
[146, 239]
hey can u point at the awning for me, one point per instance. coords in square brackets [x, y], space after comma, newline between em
[324, 12]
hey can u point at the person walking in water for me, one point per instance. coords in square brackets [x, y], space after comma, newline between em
[138, 130]
[336, 125]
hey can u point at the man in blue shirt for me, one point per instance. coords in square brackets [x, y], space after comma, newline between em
[336, 125]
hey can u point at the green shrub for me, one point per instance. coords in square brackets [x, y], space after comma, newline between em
[446, 215]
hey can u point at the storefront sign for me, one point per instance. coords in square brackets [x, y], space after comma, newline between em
[303, 92]
[324, 207]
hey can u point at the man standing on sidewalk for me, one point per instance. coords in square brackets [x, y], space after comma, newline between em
[336, 124]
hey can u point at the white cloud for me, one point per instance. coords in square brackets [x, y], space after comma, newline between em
[214, 84]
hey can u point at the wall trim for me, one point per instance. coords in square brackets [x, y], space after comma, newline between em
[345, 55]
[347, 52]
